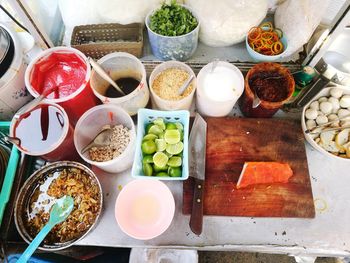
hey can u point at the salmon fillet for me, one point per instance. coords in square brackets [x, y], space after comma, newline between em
[264, 173]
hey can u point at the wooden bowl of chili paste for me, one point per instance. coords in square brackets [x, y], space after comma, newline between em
[273, 84]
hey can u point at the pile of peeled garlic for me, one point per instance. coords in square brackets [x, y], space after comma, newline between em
[331, 109]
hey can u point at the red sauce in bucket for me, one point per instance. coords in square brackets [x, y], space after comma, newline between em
[65, 70]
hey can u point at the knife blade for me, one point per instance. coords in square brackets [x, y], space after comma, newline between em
[198, 140]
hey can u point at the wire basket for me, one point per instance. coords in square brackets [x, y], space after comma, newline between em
[99, 40]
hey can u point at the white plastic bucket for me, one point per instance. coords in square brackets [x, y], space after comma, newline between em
[117, 65]
[207, 105]
[91, 123]
[162, 104]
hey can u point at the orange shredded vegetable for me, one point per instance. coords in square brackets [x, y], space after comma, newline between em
[265, 39]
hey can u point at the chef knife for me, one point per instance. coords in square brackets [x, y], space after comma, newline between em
[197, 149]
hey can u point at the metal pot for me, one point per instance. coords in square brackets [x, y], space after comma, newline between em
[333, 67]
[25, 195]
[7, 51]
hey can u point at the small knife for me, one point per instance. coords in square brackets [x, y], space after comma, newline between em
[198, 140]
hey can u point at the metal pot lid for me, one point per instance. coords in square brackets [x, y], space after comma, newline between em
[4, 43]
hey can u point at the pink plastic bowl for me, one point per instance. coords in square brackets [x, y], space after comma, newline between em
[144, 209]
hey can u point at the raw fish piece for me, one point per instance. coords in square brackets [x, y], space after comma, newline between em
[264, 173]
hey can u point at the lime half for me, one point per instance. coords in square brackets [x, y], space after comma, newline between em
[155, 130]
[160, 123]
[150, 137]
[172, 136]
[148, 147]
[175, 161]
[175, 171]
[147, 159]
[147, 169]
[161, 145]
[162, 174]
[179, 126]
[160, 159]
[171, 126]
[159, 169]
[175, 148]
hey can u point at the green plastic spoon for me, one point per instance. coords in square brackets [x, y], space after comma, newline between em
[59, 212]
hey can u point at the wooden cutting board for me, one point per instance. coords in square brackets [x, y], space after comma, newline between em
[231, 142]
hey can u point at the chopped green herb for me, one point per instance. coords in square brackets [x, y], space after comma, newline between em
[172, 20]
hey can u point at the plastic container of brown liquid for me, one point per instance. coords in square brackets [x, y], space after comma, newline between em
[274, 86]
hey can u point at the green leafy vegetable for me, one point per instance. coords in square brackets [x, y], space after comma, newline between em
[172, 20]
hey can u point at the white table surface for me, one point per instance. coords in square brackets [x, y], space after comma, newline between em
[328, 234]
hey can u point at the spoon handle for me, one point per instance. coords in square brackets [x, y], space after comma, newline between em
[35, 243]
[104, 75]
[183, 88]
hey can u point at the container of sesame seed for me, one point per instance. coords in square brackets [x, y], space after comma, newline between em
[116, 155]
[165, 82]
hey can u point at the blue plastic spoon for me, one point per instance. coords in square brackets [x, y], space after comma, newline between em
[59, 212]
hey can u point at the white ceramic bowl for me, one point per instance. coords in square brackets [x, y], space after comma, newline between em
[322, 93]
[90, 124]
[144, 209]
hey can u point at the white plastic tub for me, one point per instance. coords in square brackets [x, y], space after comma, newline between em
[206, 104]
[121, 64]
[162, 104]
[90, 124]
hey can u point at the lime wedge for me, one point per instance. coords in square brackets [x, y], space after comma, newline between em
[147, 169]
[175, 148]
[159, 169]
[149, 137]
[160, 123]
[172, 136]
[161, 145]
[148, 126]
[168, 154]
[160, 159]
[179, 126]
[175, 171]
[148, 147]
[155, 130]
[162, 174]
[175, 161]
[147, 159]
[171, 126]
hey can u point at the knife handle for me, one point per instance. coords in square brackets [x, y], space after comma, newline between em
[196, 220]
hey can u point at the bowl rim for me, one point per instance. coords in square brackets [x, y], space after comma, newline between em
[127, 149]
[303, 121]
[33, 178]
[172, 37]
[45, 54]
[140, 181]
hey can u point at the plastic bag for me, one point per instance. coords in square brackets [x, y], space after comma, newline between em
[298, 19]
[226, 22]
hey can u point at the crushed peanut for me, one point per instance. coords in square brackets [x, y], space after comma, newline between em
[119, 140]
[168, 82]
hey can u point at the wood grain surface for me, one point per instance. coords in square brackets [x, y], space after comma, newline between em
[233, 141]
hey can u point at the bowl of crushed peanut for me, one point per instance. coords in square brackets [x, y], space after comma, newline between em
[165, 82]
[105, 137]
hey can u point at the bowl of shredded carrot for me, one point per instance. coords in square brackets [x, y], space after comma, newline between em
[266, 43]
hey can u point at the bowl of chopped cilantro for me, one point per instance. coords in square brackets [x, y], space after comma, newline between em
[173, 31]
